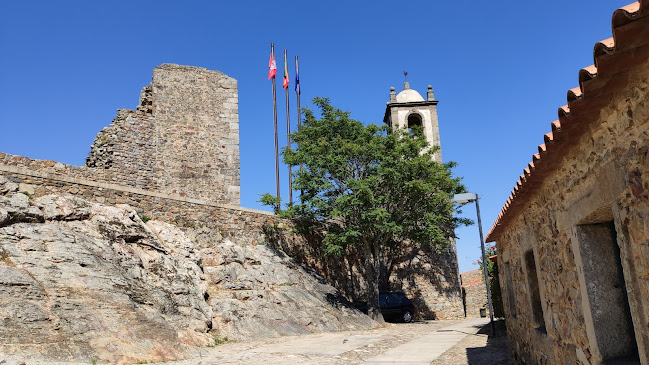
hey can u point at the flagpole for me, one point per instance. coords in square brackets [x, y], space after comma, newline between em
[272, 52]
[298, 92]
[288, 134]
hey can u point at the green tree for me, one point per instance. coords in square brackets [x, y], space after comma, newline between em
[494, 281]
[373, 192]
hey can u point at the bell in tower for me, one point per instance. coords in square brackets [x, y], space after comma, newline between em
[408, 109]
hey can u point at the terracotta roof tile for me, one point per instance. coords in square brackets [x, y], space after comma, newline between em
[612, 59]
[607, 46]
[548, 138]
[564, 111]
[587, 73]
[542, 149]
[473, 277]
[474, 282]
[625, 14]
[575, 93]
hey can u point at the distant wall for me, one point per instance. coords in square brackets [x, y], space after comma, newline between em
[429, 278]
[474, 292]
[432, 279]
[125, 153]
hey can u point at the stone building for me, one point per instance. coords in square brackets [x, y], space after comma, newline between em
[182, 139]
[573, 238]
[474, 293]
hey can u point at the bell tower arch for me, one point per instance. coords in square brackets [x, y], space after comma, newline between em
[408, 109]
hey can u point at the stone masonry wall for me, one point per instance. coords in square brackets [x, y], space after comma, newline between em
[37, 178]
[475, 293]
[430, 279]
[197, 126]
[182, 139]
[602, 178]
[126, 150]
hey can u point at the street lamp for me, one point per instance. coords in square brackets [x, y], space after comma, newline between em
[468, 198]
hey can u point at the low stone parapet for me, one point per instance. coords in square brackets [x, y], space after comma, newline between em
[43, 177]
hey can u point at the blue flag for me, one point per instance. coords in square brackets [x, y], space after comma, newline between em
[297, 82]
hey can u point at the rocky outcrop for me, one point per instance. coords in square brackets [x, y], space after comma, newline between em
[82, 281]
[255, 292]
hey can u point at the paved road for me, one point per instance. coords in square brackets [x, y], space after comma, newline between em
[425, 349]
[411, 344]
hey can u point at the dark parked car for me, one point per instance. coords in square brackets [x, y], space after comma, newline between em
[394, 307]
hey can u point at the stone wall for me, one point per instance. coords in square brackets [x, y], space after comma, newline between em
[556, 312]
[474, 292]
[432, 279]
[429, 278]
[38, 178]
[182, 139]
[124, 153]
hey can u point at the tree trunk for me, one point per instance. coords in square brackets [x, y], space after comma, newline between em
[386, 271]
[384, 280]
[372, 274]
[350, 277]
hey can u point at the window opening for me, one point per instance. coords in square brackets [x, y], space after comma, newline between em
[511, 299]
[415, 123]
[533, 287]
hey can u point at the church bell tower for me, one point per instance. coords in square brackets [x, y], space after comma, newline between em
[408, 109]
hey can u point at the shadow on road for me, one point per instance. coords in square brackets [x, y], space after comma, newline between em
[468, 333]
[496, 351]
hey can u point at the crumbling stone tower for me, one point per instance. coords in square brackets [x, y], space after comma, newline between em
[408, 109]
[182, 139]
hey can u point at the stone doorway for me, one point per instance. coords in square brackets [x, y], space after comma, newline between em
[605, 303]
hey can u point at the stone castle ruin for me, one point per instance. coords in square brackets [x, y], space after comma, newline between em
[182, 139]
[175, 159]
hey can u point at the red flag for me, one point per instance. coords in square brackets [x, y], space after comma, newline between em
[272, 66]
[285, 83]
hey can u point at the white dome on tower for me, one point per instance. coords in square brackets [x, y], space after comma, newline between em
[409, 109]
[409, 95]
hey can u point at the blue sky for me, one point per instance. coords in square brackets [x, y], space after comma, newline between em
[499, 69]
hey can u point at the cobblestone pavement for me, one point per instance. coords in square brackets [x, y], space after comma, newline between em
[357, 347]
[479, 349]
